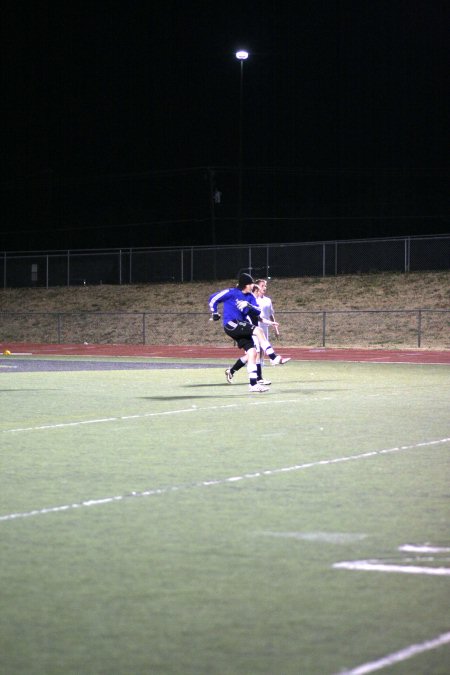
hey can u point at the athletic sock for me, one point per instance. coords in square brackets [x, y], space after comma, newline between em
[252, 375]
[267, 348]
[237, 366]
[259, 371]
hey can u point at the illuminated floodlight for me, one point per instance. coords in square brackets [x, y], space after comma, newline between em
[242, 55]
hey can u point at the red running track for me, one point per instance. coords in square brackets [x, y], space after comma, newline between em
[423, 356]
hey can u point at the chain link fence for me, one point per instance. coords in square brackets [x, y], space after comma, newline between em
[322, 328]
[201, 263]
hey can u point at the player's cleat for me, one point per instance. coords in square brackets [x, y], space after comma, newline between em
[264, 382]
[229, 375]
[258, 388]
[279, 360]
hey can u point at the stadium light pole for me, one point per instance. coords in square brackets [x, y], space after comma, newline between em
[241, 55]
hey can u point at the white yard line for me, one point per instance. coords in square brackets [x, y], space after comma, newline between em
[397, 657]
[379, 566]
[193, 408]
[425, 548]
[220, 481]
[102, 420]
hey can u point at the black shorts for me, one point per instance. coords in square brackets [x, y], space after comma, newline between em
[242, 333]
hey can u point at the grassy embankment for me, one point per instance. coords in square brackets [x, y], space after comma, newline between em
[178, 314]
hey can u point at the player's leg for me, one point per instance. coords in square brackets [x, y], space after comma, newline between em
[265, 330]
[242, 333]
[260, 360]
[240, 363]
[275, 359]
[254, 385]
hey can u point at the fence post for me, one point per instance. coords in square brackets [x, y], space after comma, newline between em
[120, 267]
[407, 254]
[324, 327]
[324, 269]
[419, 328]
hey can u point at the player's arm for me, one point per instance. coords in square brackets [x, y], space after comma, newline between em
[253, 311]
[214, 301]
[248, 308]
[269, 322]
[275, 324]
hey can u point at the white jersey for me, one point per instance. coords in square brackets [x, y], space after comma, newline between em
[265, 305]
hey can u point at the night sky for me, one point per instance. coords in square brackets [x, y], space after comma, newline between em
[119, 113]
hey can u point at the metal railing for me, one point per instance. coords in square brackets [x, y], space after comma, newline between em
[202, 263]
[319, 328]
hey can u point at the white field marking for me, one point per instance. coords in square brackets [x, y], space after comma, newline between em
[377, 362]
[326, 537]
[397, 657]
[381, 360]
[141, 416]
[379, 566]
[219, 481]
[63, 425]
[416, 559]
[426, 548]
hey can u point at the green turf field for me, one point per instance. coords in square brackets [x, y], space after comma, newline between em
[163, 521]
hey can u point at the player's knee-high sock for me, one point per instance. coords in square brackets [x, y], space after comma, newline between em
[240, 363]
[253, 377]
[267, 347]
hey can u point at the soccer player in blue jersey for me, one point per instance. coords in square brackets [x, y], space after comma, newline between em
[264, 323]
[239, 304]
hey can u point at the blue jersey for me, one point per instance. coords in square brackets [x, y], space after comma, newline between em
[229, 297]
[256, 312]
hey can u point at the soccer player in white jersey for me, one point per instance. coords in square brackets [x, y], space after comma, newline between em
[257, 321]
[267, 315]
[266, 307]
